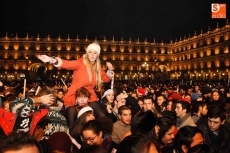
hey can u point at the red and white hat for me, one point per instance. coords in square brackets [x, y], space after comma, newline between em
[141, 91]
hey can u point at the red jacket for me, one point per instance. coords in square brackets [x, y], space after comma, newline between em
[80, 79]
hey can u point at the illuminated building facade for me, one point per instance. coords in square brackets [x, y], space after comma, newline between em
[201, 56]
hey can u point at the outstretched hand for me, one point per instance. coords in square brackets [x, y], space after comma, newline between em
[44, 58]
[109, 65]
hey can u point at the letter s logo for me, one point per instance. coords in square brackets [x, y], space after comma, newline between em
[215, 8]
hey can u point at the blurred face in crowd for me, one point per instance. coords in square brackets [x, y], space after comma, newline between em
[204, 110]
[180, 112]
[182, 92]
[82, 100]
[141, 104]
[215, 95]
[169, 106]
[148, 104]
[196, 88]
[110, 97]
[92, 55]
[214, 123]
[92, 138]
[125, 117]
[160, 100]
[169, 136]
[90, 116]
[60, 94]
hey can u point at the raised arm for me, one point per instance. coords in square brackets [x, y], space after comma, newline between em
[58, 62]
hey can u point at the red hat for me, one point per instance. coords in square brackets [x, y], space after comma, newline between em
[141, 91]
[186, 99]
[175, 96]
[170, 91]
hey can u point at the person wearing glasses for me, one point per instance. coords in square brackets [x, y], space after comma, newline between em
[96, 132]
[216, 131]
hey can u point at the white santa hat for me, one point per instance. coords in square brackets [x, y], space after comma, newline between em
[83, 110]
[107, 92]
[94, 47]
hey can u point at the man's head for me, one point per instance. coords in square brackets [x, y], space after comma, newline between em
[216, 117]
[148, 103]
[60, 94]
[161, 99]
[200, 108]
[82, 96]
[187, 137]
[124, 114]
[18, 142]
[182, 108]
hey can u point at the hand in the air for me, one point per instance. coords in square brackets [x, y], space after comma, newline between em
[109, 65]
[44, 58]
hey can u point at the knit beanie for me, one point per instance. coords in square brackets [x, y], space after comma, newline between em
[95, 47]
[59, 141]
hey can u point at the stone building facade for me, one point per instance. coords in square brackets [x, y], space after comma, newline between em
[201, 56]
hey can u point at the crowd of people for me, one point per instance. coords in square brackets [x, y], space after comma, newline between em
[93, 114]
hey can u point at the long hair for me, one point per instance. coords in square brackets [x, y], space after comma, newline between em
[79, 124]
[91, 67]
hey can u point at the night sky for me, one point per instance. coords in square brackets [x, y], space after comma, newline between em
[159, 19]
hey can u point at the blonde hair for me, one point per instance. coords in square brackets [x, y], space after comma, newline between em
[97, 67]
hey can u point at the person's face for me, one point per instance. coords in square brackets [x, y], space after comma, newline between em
[169, 106]
[197, 139]
[169, 136]
[204, 110]
[110, 97]
[125, 117]
[82, 100]
[215, 96]
[196, 88]
[160, 100]
[25, 149]
[90, 117]
[141, 104]
[120, 103]
[214, 123]
[91, 138]
[92, 55]
[148, 104]
[60, 95]
[179, 111]
[165, 93]
[182, 91]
